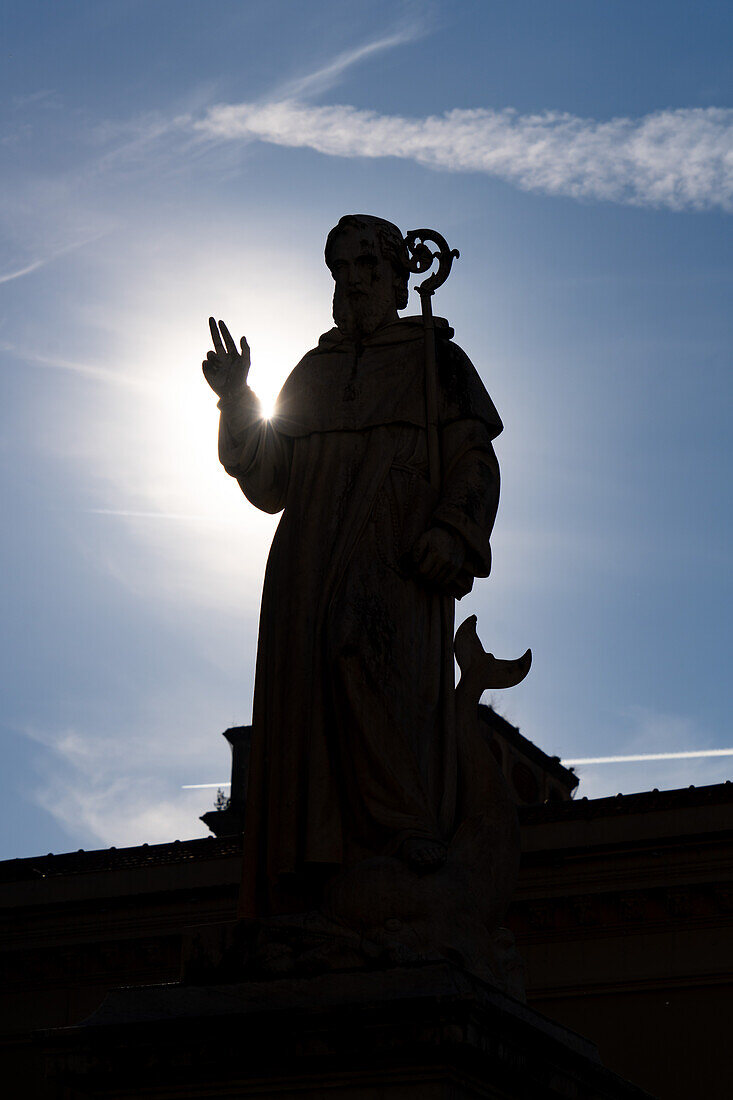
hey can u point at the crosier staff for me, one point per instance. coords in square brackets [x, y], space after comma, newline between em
[420, 260]
[479, 670]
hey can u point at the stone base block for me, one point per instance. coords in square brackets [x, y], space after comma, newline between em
[430, 1032]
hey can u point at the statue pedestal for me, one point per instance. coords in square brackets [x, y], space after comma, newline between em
[425, 1031]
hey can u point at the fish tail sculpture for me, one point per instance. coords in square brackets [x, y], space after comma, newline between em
[481, 671]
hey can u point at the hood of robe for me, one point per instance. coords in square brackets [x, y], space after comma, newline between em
[339, 386]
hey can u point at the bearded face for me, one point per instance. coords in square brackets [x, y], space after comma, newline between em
[364, 294]
[359, 313]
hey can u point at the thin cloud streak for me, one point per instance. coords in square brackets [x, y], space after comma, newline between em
[203, 786]
[85, 370]
[324, 78]
[36, 264]
[23, 271]
[180, 516]
[638, 757]
[679, 159]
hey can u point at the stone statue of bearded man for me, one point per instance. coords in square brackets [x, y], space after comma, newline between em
[356, 760]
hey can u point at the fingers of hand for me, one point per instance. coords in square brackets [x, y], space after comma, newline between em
[436, 563]
[245, 354]
[228, 342]
[245, 357]
[216, 373]
[430, 565]
[209, 373]
[218, 346]
[447, 573]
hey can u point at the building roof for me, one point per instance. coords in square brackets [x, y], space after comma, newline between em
[550, 764]
[116, 859]
[580, 809]
[212, 848]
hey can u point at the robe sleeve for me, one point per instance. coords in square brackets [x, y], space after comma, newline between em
[470, 494]
[254, 452]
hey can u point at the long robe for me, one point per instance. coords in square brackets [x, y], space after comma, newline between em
[353, 742]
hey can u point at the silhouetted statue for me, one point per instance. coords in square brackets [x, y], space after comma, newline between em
[372, 797]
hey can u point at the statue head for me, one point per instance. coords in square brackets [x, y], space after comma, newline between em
[368, 261]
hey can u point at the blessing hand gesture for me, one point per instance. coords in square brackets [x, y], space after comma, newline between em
[225, 368]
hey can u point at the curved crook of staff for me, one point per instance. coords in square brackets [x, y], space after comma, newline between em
[420, 259]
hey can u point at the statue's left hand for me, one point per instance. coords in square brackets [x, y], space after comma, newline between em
[439, 556]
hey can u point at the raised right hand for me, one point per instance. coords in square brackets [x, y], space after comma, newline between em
[225, 368]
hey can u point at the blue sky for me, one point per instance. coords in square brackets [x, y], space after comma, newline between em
[165, 161]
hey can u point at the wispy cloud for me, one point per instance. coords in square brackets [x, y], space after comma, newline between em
[679, 159]
[44, 97]
[182, 517]
[73, 366]
[34, 265]
[19, 272]
[321, 79]
[123, 785]
[125, 810]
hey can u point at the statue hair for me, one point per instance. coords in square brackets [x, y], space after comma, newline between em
[391, 244]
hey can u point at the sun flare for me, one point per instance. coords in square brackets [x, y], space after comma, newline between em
[154, 442]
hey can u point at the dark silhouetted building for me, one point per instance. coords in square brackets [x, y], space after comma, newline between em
[623, 915]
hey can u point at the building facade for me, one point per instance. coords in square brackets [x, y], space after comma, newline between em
[623, 916]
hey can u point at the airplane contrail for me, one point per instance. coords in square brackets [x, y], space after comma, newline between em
[631, 759]
[200, 786]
